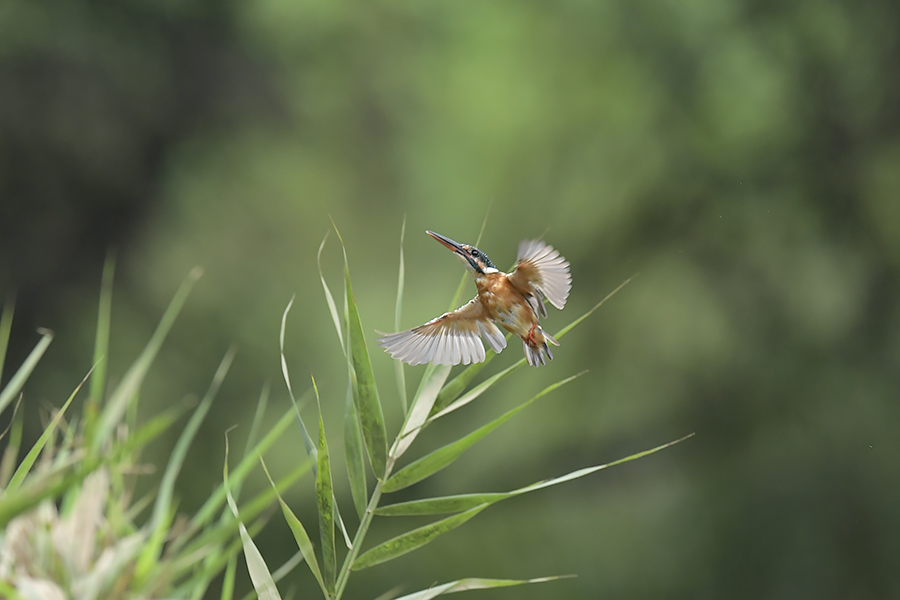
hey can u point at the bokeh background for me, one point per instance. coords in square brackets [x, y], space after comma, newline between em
[743, 157]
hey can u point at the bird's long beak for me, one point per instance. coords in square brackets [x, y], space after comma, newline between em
[456, 247]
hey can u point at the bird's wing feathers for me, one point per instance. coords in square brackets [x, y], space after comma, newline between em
[449, 339]
[541, 271]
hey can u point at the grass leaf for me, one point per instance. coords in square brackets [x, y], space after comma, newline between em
[150, 430]
[459, 383]
[458, 503]
[329, 298]
[222, 532]
[442, 457]
[353, 441]
[8, 591]
[258, 417]
[304, 543]
[474, 583]
[355, 456]
[422, 404]
[325, 504]
[412, 540]
[122, 396]
[27, 462]
[228, 579]
[441, 505]
[101, 347]
[307, 440]
[562, 332]
[311, 449]
[13, 445]
[64, 475]
[18, 380]
[474, 392]
[367, 402]
[163, 509]
[256, 565]
[218, 497]
[399, 371]
[6, 318]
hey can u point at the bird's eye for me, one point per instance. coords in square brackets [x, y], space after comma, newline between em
[474, 252]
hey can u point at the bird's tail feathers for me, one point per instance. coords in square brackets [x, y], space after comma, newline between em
[549, 338]
[535, 354]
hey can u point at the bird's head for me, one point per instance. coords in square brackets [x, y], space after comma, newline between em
[476, 261]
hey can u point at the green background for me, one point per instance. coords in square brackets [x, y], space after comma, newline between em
[742, 157]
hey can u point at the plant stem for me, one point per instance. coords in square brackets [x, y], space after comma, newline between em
[361, 531]
[366, 521]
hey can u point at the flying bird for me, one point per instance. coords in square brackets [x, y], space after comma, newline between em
[514, 301]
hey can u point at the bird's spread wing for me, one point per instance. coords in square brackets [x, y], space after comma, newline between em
[541, 271]
[449, 339]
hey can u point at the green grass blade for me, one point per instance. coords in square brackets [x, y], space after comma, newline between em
[459, 383]
[258, 417]
[441, 505]
[11, 452]
[6, 318]
[391, 594]
[8, 591]
[412, 540]
[222, 532]
[477, 390]
[307, 440]
[304, 543]
[474, 583]
[101, 348]
[213, 558]
[122, 396]
[217, 499]
[228, 580]
[422, 405]
[197, 583]
[442, 457]
[458, 503]
[587, 471]
[256, 565]
[151, 430]
[27, 462]
[163, 508]
[354, 448]
[150, 556]
[368, 404]
[288, 566]
[329, 298]
[355, 456]
[176, 460]
[325, 505]
[562, 332]
[17, 382]
[279, 573]
[399, 371]
[455, 303]
[50, 484]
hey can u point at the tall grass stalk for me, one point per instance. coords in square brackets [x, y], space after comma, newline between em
[365, 434]
[70, 525]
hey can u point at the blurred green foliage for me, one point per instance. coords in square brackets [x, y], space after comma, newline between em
[743, 157]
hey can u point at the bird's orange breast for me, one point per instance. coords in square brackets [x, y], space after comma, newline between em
[505, 304]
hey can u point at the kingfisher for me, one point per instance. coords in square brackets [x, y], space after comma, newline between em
[514, 301]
